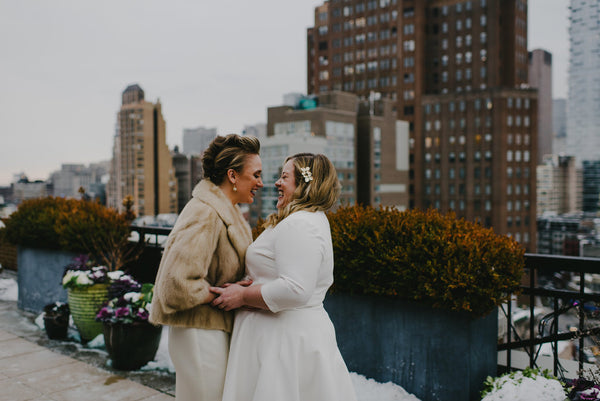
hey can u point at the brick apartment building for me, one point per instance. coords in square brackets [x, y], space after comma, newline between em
[457, 71]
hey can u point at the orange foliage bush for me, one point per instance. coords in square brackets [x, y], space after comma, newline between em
[425, 256]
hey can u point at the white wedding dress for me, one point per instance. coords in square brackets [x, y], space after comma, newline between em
[289, 353]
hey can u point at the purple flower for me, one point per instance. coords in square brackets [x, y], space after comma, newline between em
[142, 314]
[122, 312]
[105, 313]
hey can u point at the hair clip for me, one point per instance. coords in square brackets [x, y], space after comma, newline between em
[306, 174]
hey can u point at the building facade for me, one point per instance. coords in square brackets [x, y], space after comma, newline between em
[583, 103]
[363, 139]
[559, 185]
[559, 126]
[591, 186]
[196, 140]
[141, 165]
[72, 178]
[188, 172]
[457, 72]
[540, 77]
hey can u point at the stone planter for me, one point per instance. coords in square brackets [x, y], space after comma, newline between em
[131, 346]
[39, 277]
[85, 303]
[434, 354]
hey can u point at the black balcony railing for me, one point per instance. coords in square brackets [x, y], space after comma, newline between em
[548, 276]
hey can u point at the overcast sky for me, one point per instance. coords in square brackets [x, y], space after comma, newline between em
[65, 63]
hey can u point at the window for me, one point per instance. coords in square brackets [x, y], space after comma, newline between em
[409, 45]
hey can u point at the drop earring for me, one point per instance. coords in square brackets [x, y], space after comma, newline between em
[234, 188]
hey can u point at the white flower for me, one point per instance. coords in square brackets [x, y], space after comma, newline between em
[132, 297]
[83, 279]
[68, 277]
[115, 275]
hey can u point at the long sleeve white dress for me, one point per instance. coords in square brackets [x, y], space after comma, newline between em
[289, 352]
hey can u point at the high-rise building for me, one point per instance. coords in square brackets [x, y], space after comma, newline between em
[188, 171]
[363, 140]
[559, 185]
[196, 140]
[141, 166]
[583, 103]
[591, 186]
[457, 72]
[540, 77]
[559, 126]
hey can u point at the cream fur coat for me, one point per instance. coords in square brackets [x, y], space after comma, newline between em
[206, 247]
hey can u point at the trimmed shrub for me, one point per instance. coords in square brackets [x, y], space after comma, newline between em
[79, 226]
[424, 256]
[34, 223]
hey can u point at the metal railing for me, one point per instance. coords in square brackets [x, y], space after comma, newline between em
[537, 266]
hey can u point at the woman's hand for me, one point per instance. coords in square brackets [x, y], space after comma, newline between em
[229, 297]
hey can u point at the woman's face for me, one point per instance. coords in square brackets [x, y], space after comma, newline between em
[249, 180]
[286, 184]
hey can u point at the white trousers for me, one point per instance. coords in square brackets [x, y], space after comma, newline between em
[200, 360]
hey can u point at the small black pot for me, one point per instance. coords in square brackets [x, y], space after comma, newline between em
[56, 321]
[131, 346]
[56, 327]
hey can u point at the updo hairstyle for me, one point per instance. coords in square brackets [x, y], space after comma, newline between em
[227, 152]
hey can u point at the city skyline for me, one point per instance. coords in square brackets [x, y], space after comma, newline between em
[66, 64]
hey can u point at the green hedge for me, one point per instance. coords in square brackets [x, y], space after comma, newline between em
[425, 256]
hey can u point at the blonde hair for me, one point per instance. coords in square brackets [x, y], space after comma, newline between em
[227, 152]
[319, 194]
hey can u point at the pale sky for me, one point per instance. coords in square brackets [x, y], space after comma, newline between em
[65, 63]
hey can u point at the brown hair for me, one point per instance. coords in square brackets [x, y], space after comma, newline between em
[319, 194]
[227, 152]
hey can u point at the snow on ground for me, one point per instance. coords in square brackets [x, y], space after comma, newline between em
[521, 388]
[8, 289]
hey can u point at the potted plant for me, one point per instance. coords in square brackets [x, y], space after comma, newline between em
[87, 288]
[49, 232]
[417, 284]
[131, 341]
[56, 320]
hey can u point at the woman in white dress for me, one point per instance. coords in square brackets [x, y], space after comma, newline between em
[283, 344]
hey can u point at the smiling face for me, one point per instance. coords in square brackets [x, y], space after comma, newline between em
[249, 180]
[286, 184]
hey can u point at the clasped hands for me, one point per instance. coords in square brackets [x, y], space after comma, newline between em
[230, 296]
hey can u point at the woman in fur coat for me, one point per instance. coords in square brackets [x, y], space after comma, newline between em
[206, 247]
